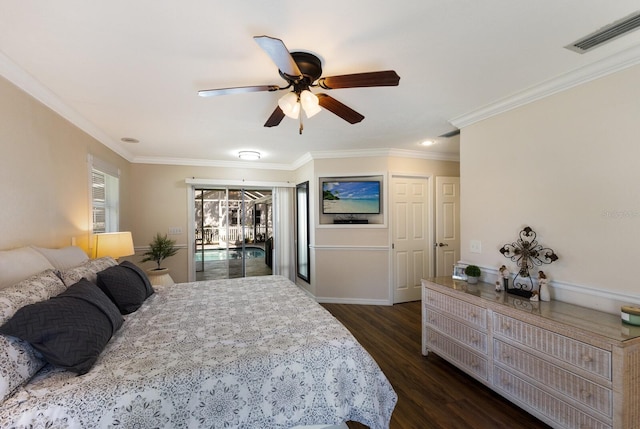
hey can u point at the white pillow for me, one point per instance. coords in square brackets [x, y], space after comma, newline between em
[19, 264]
[64, 258]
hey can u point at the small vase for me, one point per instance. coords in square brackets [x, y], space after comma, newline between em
[544, 292]
[472, 280]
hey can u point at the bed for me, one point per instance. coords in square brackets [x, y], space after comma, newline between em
[255, 352]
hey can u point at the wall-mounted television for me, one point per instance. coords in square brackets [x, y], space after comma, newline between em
[351, 197]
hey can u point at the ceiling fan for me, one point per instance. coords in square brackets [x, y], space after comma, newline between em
[302, 71]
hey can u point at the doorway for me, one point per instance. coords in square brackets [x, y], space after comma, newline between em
[233, 232]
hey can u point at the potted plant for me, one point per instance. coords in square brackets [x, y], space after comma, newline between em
[160, 248]
[472, 272]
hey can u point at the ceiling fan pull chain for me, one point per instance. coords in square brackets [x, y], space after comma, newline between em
[301, 126]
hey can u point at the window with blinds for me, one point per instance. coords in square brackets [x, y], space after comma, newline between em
[105, 202]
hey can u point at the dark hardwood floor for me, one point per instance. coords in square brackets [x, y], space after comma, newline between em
[431, 392]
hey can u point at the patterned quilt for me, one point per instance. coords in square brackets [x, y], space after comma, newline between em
[244, 353]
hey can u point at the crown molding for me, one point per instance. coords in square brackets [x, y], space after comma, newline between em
[434, 156]
[385, 152]
[23, 80]
[604, 67]
[191, 162]
[301, 161]
[307, 157]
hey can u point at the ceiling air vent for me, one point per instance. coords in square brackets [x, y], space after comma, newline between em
[606, 34]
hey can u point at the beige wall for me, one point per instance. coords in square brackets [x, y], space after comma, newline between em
[567, 166]
[161, 201]
[44, 181]
[352, 263]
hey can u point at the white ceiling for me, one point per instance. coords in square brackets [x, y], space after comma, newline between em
[123, 68]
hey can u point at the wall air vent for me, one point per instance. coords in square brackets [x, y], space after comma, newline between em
[606, 34]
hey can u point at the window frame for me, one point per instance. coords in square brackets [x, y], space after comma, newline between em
[106, 176]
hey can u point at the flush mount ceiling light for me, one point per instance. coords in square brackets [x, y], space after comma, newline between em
[249, 155]
[427, 143]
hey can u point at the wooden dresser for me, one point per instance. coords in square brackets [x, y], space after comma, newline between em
[570, 366]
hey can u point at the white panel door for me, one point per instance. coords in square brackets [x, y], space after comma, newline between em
[411, 243]
[447, 242]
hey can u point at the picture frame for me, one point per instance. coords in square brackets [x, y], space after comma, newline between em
[458, 273]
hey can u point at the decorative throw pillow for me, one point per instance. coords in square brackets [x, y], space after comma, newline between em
[124, 286]
[18, 360]
[19, 264]
[141, 274]
[69, 330]
[89, 270]
[65, 258]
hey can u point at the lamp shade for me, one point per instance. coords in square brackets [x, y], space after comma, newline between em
[289, 105]
[309, 103]
[114, 244]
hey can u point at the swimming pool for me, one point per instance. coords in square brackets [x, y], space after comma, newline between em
[233, 253]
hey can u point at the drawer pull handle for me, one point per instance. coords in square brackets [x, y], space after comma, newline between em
[473, 314]
[475, 364]
[506, 326]
[475, 339]
[506, 356]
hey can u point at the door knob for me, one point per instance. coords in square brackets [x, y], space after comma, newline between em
[441, 244]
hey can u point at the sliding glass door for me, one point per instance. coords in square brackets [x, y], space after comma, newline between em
[234, 233]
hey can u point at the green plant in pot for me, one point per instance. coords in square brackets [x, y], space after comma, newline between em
[160, 248]
[472, 272]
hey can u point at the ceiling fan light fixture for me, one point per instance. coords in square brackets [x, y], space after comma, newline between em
[310, 103]
[249, 155]
[289, 105]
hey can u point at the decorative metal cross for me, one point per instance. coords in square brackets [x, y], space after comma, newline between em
[527, 253]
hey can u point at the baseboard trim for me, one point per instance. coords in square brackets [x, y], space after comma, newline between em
[357, 301]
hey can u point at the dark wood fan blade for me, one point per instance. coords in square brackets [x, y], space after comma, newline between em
[336, 107]
[279, 54]
[359, 80]
[236, 90]
[275, 118]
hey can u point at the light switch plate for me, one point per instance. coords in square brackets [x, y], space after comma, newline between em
[175, 230]
[475, 246]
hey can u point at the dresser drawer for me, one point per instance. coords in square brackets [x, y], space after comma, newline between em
[576, 353]
[468, 312]
[463, 333]
[569, 384]
[531, 397]
[457, 354]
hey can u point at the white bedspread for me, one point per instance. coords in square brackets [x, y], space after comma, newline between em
[244, 353]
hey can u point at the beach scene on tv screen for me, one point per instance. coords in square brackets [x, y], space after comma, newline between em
[351, 197]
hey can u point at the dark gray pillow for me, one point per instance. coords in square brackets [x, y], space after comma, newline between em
[69, 330]
[143, 276]
[124, 286]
